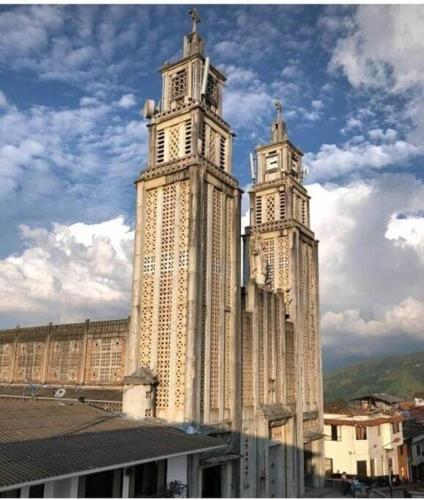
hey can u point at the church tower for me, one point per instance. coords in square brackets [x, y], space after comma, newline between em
[183, 344]
[282, 254]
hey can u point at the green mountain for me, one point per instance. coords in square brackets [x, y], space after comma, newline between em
[400, 376]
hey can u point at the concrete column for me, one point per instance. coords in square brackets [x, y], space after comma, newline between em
[194, 307]
[137, 283]
[25, 492]
[125, 483]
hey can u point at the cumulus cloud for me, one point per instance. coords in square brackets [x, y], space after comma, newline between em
[382, 49]
[69, 272]
[127, 101]
[407, 231]
[333, 161]
[73, 162]
[371, 265]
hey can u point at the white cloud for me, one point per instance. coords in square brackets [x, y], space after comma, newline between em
[333, 161]
[371, 264]
[383, 49]
[407, 231]
[69, 271]
[127, 101]
[405, 318]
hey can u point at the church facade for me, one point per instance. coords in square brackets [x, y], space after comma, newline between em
[230, 353]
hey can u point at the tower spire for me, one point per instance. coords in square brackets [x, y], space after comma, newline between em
[195, 19]
[193, 43]
[279, 129]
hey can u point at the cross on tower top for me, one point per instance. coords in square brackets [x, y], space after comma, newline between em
[279, 109]
[195, 19]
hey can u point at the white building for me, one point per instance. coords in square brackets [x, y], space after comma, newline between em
[364, 445]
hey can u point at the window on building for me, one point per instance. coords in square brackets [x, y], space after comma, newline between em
[272, 162]
[149, 479]
[418, 450]
[379, 430]
[258, 209]
[36, 491]
[336, 433]
[395, 427]
[361, 432]
[361, 468]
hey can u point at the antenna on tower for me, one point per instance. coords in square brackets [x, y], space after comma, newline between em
[253, 166]
[148, 109]
[205, 76]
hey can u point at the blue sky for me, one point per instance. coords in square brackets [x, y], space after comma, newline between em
[72, 81]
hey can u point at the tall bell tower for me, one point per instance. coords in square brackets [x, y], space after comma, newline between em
[284, 256]
[183, 342]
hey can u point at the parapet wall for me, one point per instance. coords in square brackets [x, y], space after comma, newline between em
[89, 353]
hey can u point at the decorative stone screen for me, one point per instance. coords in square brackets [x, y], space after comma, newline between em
[270, 206]
[178, 84]
[247, 356]
[164, 290]
[30, 360]
[65, 360]
[105, 360]
[290, 363]
[6, 360]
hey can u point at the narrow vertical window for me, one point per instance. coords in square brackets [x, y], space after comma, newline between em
[282, 205]
[304, 212]
[160, 147]
[187, 142]
[203, 138]
[222, 148]
[258, 210]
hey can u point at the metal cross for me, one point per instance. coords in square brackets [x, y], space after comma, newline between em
[279, 108]
[195, 18]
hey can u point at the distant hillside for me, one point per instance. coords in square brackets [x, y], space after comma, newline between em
[400, 376]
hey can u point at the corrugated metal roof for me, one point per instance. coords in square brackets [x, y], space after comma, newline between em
[44, 440]
[40, 391]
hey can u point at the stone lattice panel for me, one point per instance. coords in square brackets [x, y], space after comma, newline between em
[308, 375]
[6, 360]
[30, 360]
[166, 293]
[216, 299]
[228, 288]
[290, 363]
[184, 207]
[65, 358]
[204, 297]
[269, 252]
[283, 272]
[105, 356]
[178, 84]
[146, 320]
[213, 138]
[261, 353]
[174, 142]
[247, 357]
[270, 208]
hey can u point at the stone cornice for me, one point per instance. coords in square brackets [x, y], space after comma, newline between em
[184, 108]
[174, 166]
[285, 178]
[279, 225]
